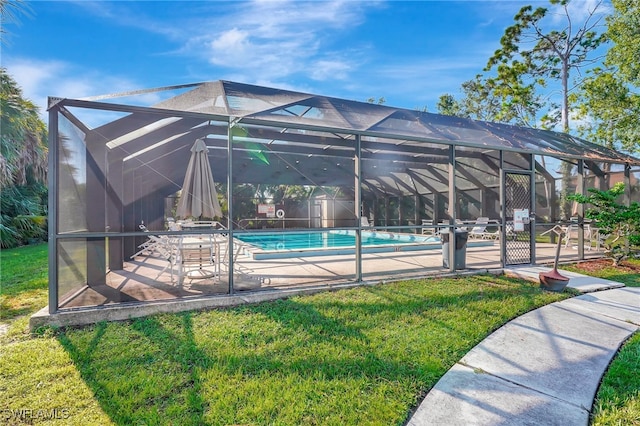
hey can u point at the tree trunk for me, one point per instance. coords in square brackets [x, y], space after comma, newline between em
[565, 95]
[565, 204]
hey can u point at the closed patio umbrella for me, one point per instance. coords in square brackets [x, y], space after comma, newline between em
[199, 197]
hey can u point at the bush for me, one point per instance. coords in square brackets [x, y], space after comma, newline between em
[23, 214]
[620, 223]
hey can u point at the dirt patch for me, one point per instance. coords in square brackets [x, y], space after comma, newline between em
[598, 264]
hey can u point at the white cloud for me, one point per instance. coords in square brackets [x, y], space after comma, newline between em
[330, 69]
[40, 79]
[271, 19]
[275, 39]
[129, 14]
[274, 43]
[36, 78]
[579, 11]
[446, 74]
[230, 41]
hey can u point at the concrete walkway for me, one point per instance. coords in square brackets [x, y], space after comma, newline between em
[542, 368]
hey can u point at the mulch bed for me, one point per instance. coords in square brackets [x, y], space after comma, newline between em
[598, 264]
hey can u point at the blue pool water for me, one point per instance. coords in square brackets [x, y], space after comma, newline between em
[327, 240]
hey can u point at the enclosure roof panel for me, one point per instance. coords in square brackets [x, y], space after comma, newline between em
[247, 103]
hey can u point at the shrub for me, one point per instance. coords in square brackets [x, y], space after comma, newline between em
[620, 223]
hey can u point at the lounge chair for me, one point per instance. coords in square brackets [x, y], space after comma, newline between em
[239, 268]
[479, 230]
[427, 231]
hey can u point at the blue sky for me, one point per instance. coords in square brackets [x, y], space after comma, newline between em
[407, 52]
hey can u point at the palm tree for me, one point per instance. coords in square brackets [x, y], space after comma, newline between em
[23, 165]
[23, 148]
[9, 10]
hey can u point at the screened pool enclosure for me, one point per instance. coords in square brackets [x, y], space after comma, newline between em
[293, 190]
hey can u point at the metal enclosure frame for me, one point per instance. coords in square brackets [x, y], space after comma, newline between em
[385, 158]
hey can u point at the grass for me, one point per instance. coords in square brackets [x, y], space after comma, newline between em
[23, 287]
[618, 399]
[360, 356]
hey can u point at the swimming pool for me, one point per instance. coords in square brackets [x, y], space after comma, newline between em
[326, 240]
[275, 245]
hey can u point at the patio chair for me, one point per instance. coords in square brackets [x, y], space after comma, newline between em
[427, 231]
[153, 244]
[590, 236]
[174, 226]
[196, 260]
[510, 230]
[238, 268]
[146, 246]
[492, 235]
[166, 248]
[599, 238]
[479, 229]
[364, 222]
[461, 225]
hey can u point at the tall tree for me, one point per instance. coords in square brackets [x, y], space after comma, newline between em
[609, 100]
[9, 11]
[610, 111]
[23, 154]
[493, 99]
[542, 57]
[23, 166]
[527, 49]
[624, 31]
[23, 148]
[379, 101]
[23, 136]
[448, 105]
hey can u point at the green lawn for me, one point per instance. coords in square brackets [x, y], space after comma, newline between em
[23, 286]
[618, 398]
[358, 356]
